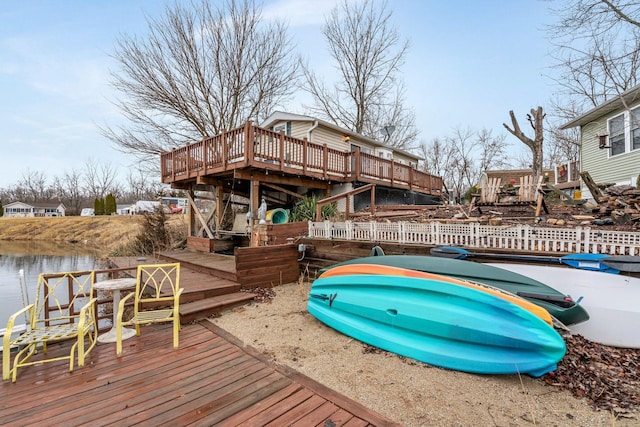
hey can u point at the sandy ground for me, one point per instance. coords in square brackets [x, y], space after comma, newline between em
[409, 392]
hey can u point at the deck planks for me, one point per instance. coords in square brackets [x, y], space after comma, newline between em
[209, 380]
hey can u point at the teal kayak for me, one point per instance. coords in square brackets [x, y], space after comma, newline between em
[559, 305]
[439, 323]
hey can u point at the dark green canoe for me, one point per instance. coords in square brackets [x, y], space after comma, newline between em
[559, 305]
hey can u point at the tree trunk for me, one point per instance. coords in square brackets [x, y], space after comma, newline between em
[535, 145]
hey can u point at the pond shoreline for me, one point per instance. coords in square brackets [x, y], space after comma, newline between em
[99, 235]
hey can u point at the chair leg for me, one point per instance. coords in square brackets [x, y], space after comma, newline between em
[81, 349]
[6, 362]
[176, 332]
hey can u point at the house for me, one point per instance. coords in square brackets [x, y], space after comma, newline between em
[342, 140]
[610, 140]
[39, 209]
[125, 209]
[321, 132]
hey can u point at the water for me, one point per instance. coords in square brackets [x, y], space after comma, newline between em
[15, 256]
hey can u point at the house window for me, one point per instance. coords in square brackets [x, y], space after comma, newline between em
[624, 132]
[616, 135]
[286, 127]
[635, 128]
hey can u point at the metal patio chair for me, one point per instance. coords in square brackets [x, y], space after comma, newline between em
[64, 309]
[156, 300]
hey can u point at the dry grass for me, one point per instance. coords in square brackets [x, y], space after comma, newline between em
[103, 234]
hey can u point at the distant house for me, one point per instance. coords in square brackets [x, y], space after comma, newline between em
[21, 209]
[126, 209]
[610, 140]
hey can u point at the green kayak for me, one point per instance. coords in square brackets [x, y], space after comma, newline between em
[559, 305]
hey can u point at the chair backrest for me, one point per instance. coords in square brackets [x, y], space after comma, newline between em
[60, 296]
[157, 282]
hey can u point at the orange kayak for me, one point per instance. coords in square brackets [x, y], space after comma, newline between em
[375, 269]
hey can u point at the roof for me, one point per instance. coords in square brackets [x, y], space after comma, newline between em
[280, 116]
[607, 107]
[38, 204]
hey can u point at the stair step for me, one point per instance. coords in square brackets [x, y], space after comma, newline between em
[206, 307]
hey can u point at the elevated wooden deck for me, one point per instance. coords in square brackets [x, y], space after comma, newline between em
[239, 151]
[210, 380]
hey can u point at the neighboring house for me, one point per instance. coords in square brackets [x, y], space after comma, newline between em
[127, 209]
[610, 140]
[21, 209]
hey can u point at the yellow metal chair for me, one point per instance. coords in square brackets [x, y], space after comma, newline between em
[64, 309]
[156, 300]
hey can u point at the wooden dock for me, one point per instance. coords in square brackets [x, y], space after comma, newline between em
[210, 380]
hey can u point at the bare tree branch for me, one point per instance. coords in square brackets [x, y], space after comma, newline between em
[200, 70]
[368, 95]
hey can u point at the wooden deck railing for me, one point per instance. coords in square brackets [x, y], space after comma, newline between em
[252, 146]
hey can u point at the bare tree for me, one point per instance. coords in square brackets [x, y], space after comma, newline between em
[199, 71]
[435, 155]
[597, 49]
[536, 145]
[493, 152]
[141, 187]
[462, 157]
[34, 184]
[68, 187]
[100, 179]
[367, 95]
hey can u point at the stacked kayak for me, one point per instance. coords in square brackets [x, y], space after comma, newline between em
[403, 272]
[558, 304]
[440, 322]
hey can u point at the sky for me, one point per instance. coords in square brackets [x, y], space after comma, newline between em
[469, 63]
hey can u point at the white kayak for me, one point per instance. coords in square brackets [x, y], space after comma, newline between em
[611, 300]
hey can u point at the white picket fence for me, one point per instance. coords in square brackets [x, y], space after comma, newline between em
[474, 235]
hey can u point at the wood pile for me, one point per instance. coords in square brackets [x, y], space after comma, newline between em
[621, 203]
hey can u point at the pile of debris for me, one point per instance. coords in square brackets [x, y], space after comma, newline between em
[621, 203]
[608, 377]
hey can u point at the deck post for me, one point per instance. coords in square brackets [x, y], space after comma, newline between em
[224, 148]
[248, 143]
[305, 148]
[325, 160]
[357, 163]
[392, 171]
[281, 149]
[255, 201]
[219, 206]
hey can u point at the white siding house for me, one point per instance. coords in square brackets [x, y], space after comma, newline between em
[321, 132]
[21, 209]
[610, 140]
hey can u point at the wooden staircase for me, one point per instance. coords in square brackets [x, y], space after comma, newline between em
[209, 282]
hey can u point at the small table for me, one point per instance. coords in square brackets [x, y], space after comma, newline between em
[116, 285]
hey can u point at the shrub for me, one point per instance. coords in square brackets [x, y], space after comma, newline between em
[305, 210]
